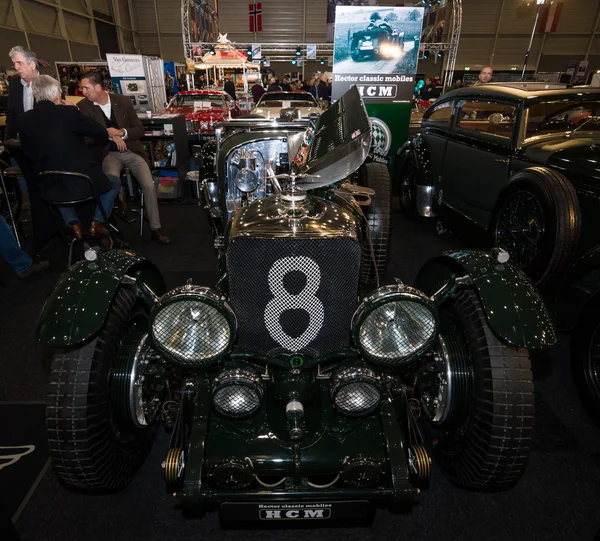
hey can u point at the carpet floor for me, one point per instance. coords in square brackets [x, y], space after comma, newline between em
[557, 498]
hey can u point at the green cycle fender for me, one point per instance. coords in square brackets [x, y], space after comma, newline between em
[76, 308]
[513, 308]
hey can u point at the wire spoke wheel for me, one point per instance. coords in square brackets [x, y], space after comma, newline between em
[521, 228]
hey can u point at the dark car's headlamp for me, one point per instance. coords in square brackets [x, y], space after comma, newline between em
[355, 390]
[237, 392]
[394, 325]
[192, 325]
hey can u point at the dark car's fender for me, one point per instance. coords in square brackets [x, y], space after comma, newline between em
[580, 287]
[416, 150]
[76, 308]
[513, 308]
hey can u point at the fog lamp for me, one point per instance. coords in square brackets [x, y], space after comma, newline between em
[237, 392]
[355, 390]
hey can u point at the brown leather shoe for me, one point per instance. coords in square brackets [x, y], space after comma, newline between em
[159, 237]
[98, 228]
[77, 231]
[33, 269]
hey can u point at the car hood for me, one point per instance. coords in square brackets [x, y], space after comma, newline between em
[273, 112]
[577, 154]
[213, 113]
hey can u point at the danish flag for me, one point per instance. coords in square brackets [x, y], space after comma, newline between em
[255, 12]
[550, 15]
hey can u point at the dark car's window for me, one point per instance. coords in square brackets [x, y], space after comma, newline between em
[439, 115]
[494, 119]
[562, 115]
[197, 100]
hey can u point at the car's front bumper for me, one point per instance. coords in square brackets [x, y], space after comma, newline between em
[214, 441]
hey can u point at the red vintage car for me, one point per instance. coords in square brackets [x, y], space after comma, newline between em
[202, 108]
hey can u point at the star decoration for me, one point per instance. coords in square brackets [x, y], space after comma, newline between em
[223, 39]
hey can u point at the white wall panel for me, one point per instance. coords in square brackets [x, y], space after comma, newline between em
[169, 17]
[124, 13]
[40, 18]
[7, 14]
[74, 5]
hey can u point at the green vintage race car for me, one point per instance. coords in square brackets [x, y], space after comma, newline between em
[288, 395]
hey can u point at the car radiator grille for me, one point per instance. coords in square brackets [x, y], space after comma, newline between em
[293, 295]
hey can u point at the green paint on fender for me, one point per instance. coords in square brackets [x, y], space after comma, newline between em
[514, 310]
[77, 306]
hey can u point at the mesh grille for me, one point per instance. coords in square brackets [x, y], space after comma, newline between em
[357, 398]
[191, 331]
[293, 295]
[236, 401]
[396, 329]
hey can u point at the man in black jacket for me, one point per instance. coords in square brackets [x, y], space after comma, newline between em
[53, 138]
[229, 87]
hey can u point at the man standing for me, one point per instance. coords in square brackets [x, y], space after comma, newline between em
[116, 114]
[20, 100]
[257, 91]
[273, 86]
[285, 85]
[229, 87]
[20, 94]
[485, 76]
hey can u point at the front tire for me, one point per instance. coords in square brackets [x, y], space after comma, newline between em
[378, 214]
[538, 222]
[90, 449]
[483, 422]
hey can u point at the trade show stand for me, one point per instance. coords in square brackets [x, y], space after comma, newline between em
[165, 140]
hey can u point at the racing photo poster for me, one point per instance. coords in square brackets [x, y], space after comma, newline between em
[376, 48]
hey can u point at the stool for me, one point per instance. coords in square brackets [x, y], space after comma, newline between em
[69, 177]
[13, 222]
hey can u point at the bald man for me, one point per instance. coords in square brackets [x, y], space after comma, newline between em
[485, 76]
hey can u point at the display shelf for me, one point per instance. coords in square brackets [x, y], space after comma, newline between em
[170, 149]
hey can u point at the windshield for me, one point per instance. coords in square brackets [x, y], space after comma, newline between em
[562, 115]
[197, 100]
[287, 99]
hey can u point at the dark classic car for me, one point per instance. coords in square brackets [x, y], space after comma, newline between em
[521, 161]
[378, 40]
[288, 396]
[202, 109]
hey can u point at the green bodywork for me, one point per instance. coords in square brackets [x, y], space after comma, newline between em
[329, 440]
[77, 307]
[513, 308]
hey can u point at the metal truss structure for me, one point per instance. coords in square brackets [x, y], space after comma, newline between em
[451, 46]
[272, 51]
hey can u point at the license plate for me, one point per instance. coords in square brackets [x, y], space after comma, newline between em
[294, 511]
[366, 44]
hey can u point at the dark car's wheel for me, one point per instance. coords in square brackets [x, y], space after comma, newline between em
[478, 398]
[585, 358]
[102, 403]
[376, 176]
[538, 222]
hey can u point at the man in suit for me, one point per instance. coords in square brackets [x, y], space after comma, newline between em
[53, 138]
[116, 115]
[20, 100]
[229, 87]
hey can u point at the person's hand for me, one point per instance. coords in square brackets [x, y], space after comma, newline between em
[67, 102]
[115, 132]
[121, 145]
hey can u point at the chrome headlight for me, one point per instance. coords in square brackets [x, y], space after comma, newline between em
[394, 325]
[192, 325]
[355, 390]
[237, 392]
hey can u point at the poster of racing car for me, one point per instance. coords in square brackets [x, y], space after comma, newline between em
[375, 45]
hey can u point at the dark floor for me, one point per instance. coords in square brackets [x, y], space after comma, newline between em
[557, 499]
